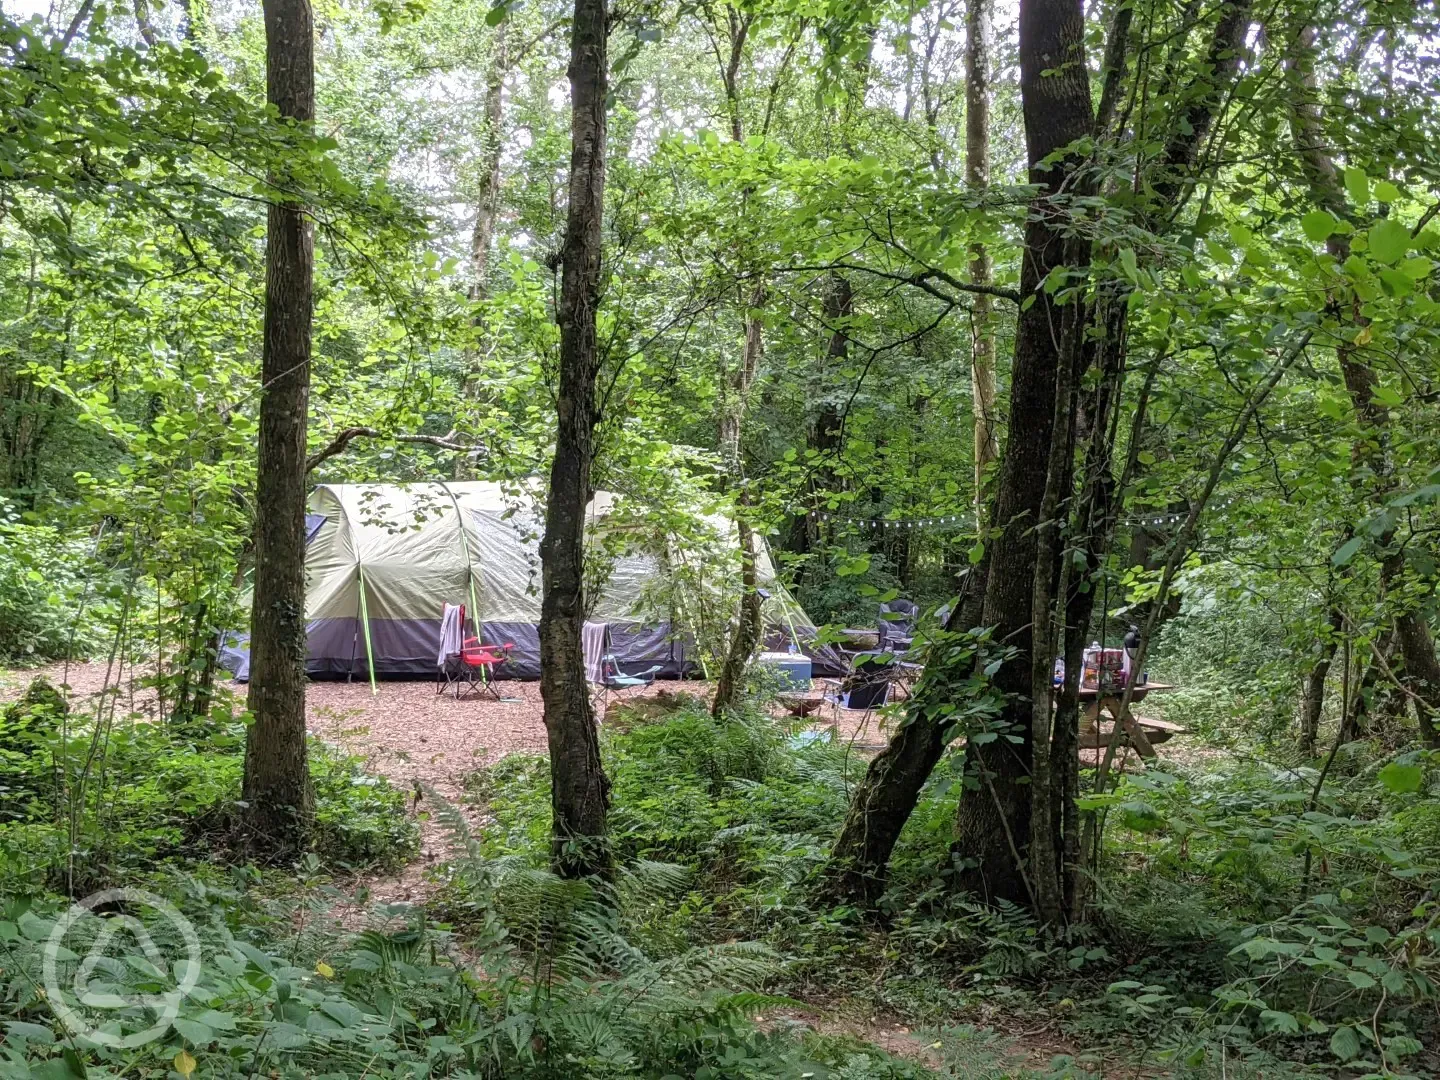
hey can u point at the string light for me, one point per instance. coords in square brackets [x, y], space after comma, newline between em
[967, 521]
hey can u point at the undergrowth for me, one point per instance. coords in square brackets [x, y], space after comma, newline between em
[546, 985]
[1236, 926]
[92, 799]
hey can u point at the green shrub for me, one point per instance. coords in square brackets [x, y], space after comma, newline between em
[101, 801]
[550, 991]
[49, 600]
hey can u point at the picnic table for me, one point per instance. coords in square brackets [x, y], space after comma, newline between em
[1141, 732]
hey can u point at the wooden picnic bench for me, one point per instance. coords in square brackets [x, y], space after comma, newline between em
[1141, 732]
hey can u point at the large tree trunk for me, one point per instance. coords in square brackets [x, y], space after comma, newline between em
[579, 790]
[277, 790]
[994, 816]
[1057, 113]
[977, 176]
[1412, 632]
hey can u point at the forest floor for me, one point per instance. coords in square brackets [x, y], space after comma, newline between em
[424, 742]
[418, 739]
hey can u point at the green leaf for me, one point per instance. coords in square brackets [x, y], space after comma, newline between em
[1344, 1043]
[1357, 186]
[36, 1033]
[1396, 283]
[1386, 395]
[1387, 192]
[1400, 778]
[1318, 225]
[194, 1032]
[1389, 240]
[497, 14]
[1417, 268]
[1280, 1021]
[1347, 551]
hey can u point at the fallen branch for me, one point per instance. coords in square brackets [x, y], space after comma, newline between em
[342, 441]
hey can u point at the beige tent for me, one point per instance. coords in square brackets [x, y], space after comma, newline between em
[384, 559]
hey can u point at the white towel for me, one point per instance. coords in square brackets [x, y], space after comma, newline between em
[451, 635]
[592, 644]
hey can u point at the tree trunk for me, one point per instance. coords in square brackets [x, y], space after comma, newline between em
[1412, 633]
[977, 176]
[735, 398]
[885, 798]
[277, 791]
[994, 818]
[749, 624]
[1312, 693]
[487, 199]
[579, 790]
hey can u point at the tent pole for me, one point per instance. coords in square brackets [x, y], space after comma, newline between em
[469, 567]
[365, 622]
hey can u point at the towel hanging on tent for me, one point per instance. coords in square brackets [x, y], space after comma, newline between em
[452, 633]
[592, 644]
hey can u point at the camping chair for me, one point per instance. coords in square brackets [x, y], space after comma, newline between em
[866, 687]
[897, 625]
[613, 679]
[464, 660]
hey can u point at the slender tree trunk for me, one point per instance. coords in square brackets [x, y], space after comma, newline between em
[749, 625]
[994, 820]
[822, 430]
[277, 790]
[735, 385]
[1312, 693]
[1412, 633]
[487, 199]
[977, 176]
[885, 798]
[579, 790]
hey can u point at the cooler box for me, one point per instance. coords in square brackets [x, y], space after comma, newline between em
[793, 669]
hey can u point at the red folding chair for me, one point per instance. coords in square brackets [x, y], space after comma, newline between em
[478, 663]
[474, 665]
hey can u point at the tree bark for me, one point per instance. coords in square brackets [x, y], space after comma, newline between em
[994, 817]
[1412, 633]
[277, 790]
[579, 789]
[487, 199]
[1312, 693]
[885, 798]
[977, 176]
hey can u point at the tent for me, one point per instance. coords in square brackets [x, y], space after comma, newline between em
[384, 559]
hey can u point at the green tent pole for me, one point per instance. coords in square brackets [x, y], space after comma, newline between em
[475, 619]
[365, 622]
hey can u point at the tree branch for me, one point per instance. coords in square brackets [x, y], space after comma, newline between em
[341, 442]
[920, 279]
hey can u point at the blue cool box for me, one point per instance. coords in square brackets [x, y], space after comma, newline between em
[793, 668]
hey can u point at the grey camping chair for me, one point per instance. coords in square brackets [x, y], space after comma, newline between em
[897, 625]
